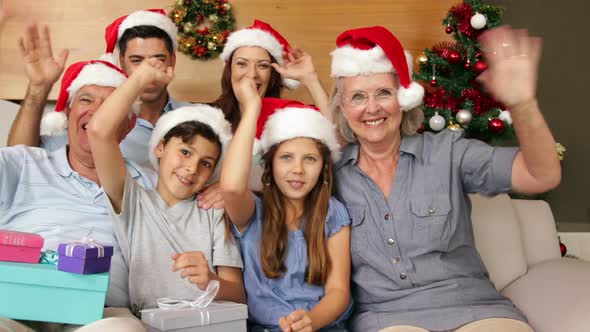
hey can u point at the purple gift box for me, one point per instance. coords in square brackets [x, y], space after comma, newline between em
[84, 257]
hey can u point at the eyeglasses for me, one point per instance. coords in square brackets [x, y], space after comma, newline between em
[383, 97]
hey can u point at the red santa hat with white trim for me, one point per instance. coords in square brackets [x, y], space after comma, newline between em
[209, 115]
[153, 17]
[79, 74]
[263, 35]
[282, 119]
[373, 50]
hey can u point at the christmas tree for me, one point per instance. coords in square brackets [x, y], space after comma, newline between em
[453, 97]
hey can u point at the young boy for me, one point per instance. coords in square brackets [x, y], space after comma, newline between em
[154, 226]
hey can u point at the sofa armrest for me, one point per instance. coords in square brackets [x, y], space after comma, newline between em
[554, 295]
[538, 231]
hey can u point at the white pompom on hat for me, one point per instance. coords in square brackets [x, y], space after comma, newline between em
[374, 50]
[282, 119]
[263, 35]
[79, 74]
[153, 17]
[211, 116]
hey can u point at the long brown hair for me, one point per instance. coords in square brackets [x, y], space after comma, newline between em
[273, 245]
[227, 101]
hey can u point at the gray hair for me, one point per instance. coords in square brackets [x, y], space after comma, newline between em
[411, 120]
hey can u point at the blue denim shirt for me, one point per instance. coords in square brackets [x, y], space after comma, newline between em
[135, 145]
[270, 299]
[414, 260]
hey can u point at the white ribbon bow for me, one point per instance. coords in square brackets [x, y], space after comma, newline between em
[200, 302]
[85, 240]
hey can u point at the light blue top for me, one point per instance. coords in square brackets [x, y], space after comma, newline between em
[270, 299]
[40, 193]
[135, 145]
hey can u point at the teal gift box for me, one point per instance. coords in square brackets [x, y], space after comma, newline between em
[39, 292]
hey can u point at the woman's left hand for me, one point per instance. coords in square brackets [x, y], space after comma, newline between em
[298, 66]
[513, 59]
[210, 197]
[297, 321]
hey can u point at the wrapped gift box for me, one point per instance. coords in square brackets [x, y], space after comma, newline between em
[84, 257]
[20, 247]
[217, 317]
[39, 292]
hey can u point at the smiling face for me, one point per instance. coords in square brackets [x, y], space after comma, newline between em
[297, 165]
[139, 49]
[378, 119]
[82, 107]
[254, 62]
[185, 168]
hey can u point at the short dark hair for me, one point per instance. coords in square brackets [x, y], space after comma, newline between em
[144, 32]
[188, 130]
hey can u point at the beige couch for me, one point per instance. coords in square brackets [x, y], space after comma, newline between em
[518, 243]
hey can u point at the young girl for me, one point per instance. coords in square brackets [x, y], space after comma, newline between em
[295, 238]
[154, 226]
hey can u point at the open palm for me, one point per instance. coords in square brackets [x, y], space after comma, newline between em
[40, 66]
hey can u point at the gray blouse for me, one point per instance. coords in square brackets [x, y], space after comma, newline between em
[414, 260]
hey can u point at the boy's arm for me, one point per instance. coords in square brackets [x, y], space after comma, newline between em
[105, 132]
[238, 200]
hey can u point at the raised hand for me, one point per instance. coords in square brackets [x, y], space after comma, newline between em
[153, 71]
[41, 67]
[298, 66]
[247, 94]
[297, 321]
[194, 266]
[513, 60]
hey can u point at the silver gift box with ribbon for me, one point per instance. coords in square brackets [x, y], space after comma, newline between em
[216, 317]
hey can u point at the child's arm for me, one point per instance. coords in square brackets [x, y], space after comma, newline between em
[104, 129]
[194, 265]
[337, 289]
[238, 200]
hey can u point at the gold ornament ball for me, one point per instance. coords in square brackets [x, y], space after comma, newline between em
[179, 2]
[454, 127]
[211, 46]
[214, 37]
[213, 18]
[422, 60]
[226, 6]
[188, 27]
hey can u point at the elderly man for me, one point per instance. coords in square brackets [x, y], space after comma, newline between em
[140, 35]
[58, 195]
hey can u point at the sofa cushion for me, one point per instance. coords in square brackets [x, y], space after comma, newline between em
[8, 111]
[554, 295]
[539, 235]
[498, 238]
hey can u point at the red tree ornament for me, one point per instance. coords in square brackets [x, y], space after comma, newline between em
[433, 82]
[454, 57]
[467, 65]
[496, 126]
[480, 66]
[448, 29]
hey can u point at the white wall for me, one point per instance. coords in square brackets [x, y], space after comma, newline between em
[7, 113]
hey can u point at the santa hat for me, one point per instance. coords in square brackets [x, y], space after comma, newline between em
[282, 119]
[153, 17]
[211, 116]
[79, 74]
[260, 34]
[375, 50]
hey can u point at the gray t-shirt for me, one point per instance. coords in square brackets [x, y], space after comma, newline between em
[149, 233]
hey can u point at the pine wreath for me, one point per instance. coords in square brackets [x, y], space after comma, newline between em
[206, 42]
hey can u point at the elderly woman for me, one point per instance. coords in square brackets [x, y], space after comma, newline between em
[415, 265]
